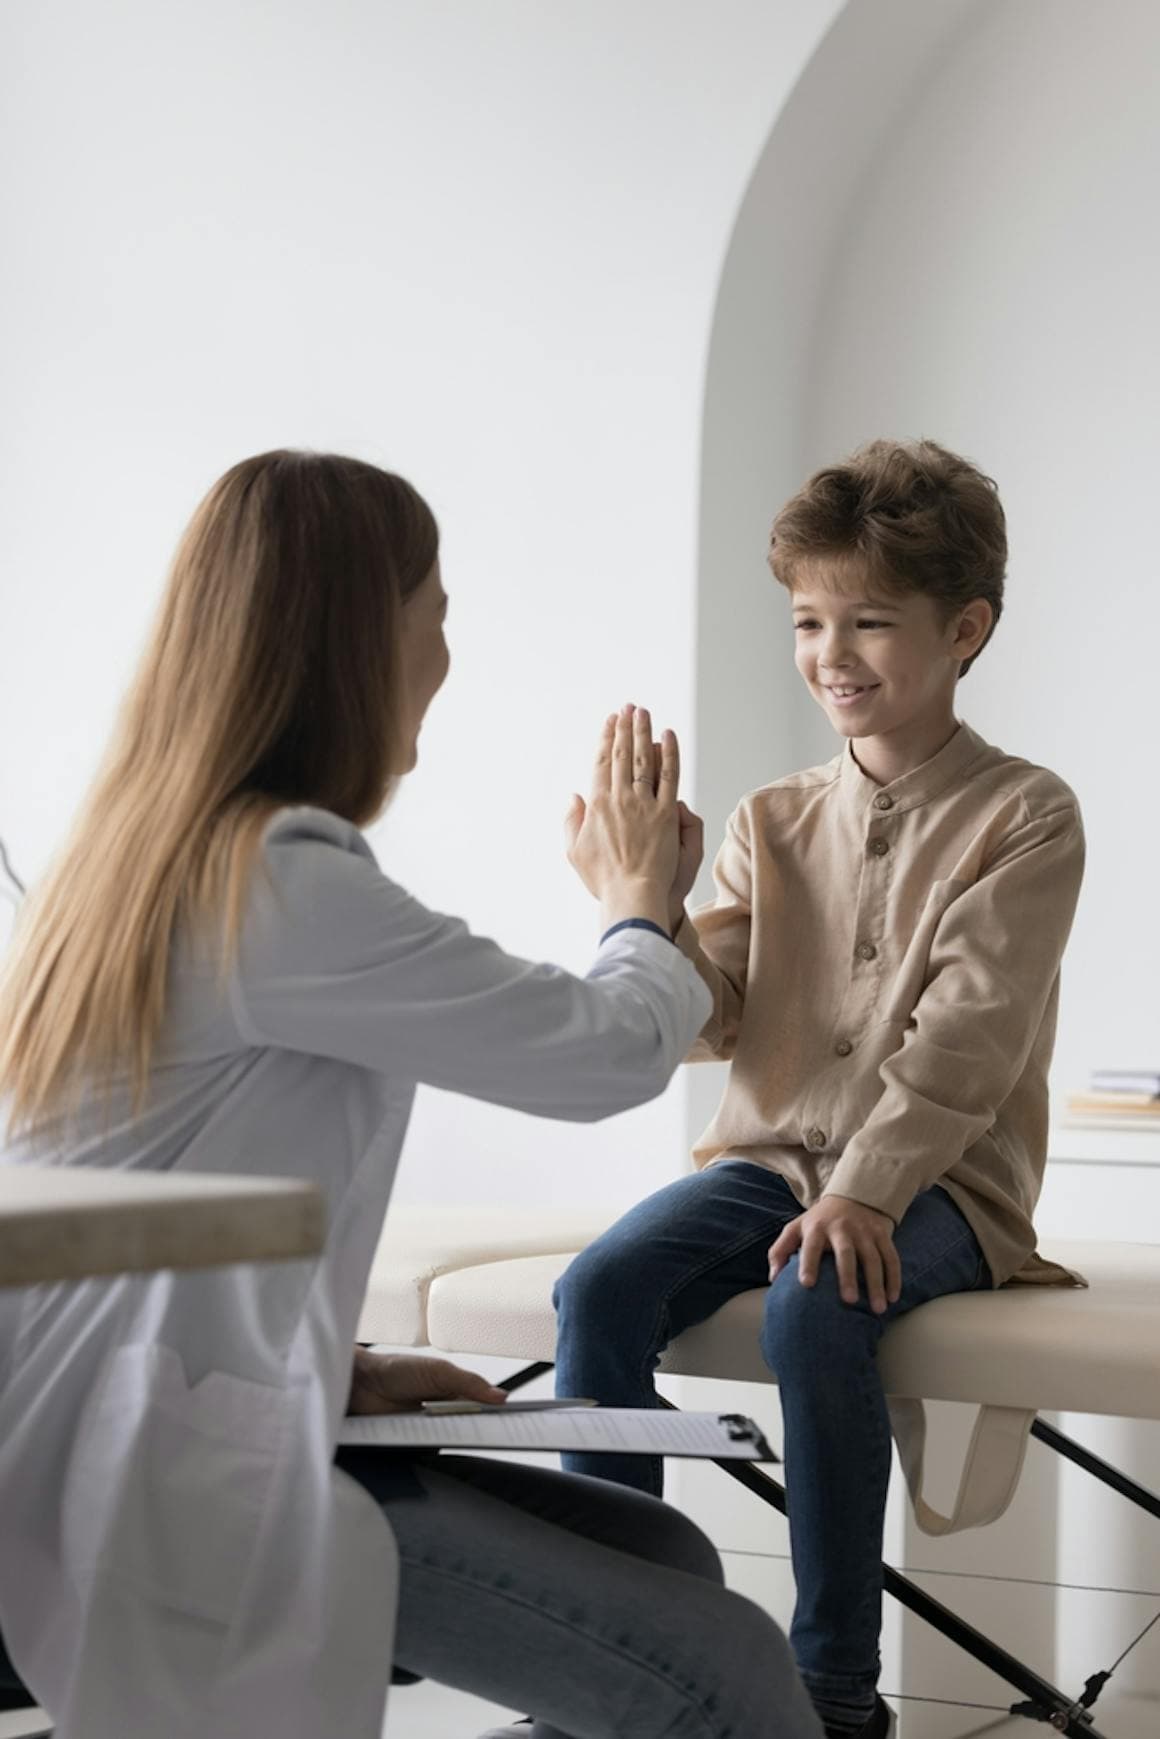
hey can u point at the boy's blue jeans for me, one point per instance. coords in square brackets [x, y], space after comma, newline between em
[675, 1259]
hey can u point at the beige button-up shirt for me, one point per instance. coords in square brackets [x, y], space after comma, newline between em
[884, 963]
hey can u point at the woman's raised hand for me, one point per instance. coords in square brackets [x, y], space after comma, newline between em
[624, 843]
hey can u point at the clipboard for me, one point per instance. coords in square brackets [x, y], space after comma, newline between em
[588, 1430]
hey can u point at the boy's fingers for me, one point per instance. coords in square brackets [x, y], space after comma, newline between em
[783, 1247]
[692, 827]
[893, 1266]
[813, 1247]
[846, 1260]
[871, 1258]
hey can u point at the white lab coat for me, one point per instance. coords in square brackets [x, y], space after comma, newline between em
[178, 1557]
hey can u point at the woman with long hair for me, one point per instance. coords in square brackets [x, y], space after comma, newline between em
[216, 976]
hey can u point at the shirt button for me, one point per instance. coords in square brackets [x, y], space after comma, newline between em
[865, 951]
[882, 801]
[816, 1138]
[843, 1047]
[878, 847]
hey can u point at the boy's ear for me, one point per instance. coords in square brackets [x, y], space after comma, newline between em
[973, 628]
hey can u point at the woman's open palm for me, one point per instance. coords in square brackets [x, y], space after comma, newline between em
[629, 830]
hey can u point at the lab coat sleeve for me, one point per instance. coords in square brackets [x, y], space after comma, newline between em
[337, 960]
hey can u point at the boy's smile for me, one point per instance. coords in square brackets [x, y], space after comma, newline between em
[847, 696]
[882, 663]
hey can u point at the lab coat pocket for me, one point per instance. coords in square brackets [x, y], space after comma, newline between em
[168, 1485]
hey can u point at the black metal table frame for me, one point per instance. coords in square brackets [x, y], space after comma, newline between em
[1043, 1701]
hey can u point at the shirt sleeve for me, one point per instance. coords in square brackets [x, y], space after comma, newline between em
[716, 939]
[994, 966]
[339, 961]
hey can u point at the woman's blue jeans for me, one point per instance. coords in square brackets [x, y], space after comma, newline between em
[600, 1610]
[675, 1259]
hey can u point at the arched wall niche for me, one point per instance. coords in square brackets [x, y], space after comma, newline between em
[752, 725]
[947, 234]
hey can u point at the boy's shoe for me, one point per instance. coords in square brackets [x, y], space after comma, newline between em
[880, 1725]
[518, 1731]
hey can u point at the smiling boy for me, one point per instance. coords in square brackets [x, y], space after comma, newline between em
[883, 951]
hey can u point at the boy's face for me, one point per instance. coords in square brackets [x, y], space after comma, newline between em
[877, 661]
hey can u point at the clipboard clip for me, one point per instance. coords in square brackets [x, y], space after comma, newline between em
[740, 1429]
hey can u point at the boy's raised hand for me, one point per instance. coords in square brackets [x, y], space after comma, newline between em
[860, 1237]
[692, 850]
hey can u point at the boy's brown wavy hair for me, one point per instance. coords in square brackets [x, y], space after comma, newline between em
[913, 515]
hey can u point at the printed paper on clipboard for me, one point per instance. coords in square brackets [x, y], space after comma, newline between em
[597, 1430]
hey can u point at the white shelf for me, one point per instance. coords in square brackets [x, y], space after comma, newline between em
[1104, 1141]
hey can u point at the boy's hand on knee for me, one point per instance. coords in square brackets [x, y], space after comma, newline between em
[860, 1237]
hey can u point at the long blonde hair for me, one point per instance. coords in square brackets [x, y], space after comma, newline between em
[272, 677]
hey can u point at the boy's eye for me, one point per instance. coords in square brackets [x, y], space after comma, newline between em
[863, 622]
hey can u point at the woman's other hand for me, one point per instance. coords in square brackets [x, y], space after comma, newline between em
[624, 843]
[392, 1382]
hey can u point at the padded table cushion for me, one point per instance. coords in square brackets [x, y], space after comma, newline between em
[1033, 1347]
[421, 1243]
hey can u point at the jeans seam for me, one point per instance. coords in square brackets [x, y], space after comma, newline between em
[850, 1684]
[689, 1278]
[476, 1582]
[874, 1399]
[942, 1256]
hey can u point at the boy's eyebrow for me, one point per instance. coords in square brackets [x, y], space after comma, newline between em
[854, 603]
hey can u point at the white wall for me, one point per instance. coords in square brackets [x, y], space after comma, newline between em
[476, 243]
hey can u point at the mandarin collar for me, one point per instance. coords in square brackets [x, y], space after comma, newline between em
[916, 787]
